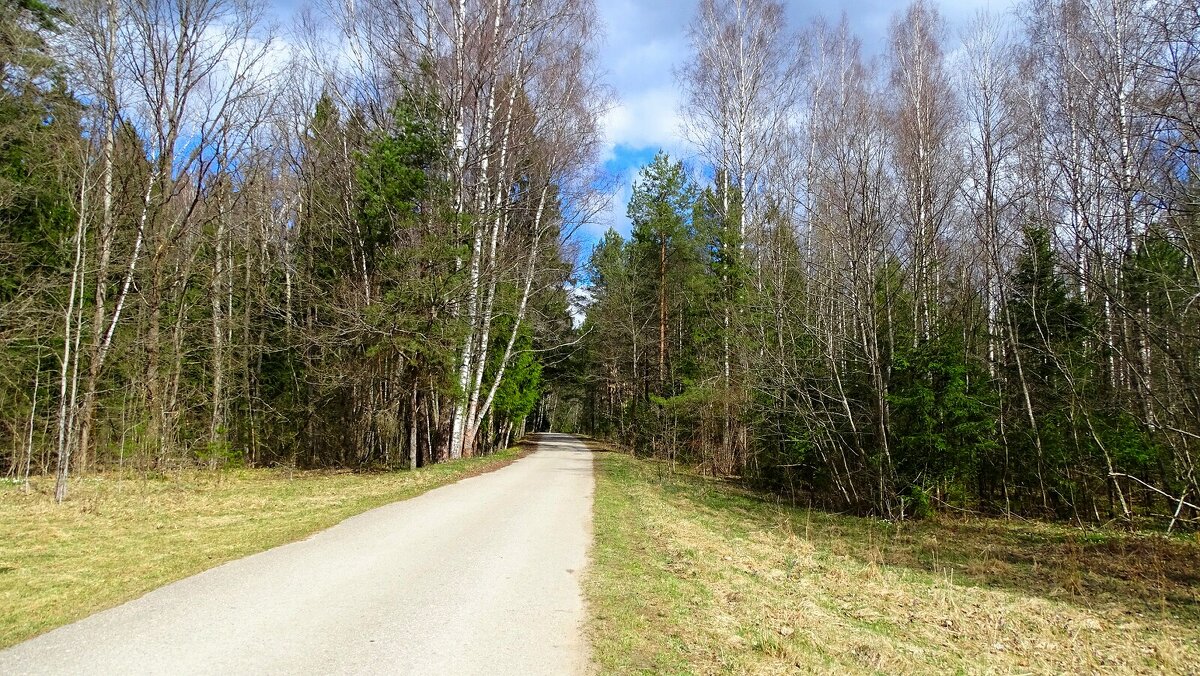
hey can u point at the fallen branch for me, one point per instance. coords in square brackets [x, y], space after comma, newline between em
[1181, 500]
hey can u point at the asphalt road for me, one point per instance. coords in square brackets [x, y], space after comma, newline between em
[479, 577]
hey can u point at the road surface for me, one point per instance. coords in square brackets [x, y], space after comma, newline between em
[479, 577]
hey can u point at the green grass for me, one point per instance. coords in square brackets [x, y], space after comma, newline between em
[117, 538]
[694, 575]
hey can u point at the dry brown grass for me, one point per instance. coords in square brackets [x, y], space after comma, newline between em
[695, 576]
[118, 537]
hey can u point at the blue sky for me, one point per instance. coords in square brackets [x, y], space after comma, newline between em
[646, 40]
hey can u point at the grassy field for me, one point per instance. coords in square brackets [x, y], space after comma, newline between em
[692, 575]
[117, 538]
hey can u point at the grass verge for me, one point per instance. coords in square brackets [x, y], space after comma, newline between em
[693, 575]
[117, 538]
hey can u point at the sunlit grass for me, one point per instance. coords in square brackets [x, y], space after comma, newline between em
[117, 537]
[692, 575]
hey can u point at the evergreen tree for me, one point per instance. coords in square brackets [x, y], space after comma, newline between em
[662, 244]
[40, 145]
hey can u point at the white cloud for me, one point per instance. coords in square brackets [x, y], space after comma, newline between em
[645, 41]
[644, 119]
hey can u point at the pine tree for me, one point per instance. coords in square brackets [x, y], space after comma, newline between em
[662, 242]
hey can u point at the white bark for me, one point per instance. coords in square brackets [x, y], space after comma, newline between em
[70, 328]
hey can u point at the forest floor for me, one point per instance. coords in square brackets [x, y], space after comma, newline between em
[693, 574]
[120, 536]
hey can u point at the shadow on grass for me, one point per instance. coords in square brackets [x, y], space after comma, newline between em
[1130, 573]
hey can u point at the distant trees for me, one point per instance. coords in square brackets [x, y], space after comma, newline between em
[966, 280]
[644, 339]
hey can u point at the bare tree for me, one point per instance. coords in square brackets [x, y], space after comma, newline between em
[925, 120]
[175, 73]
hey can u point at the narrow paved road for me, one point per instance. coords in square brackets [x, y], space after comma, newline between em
[479, 577]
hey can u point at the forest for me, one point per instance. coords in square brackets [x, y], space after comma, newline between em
[955, 271]
[336, 243]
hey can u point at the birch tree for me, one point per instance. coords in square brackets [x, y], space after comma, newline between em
[925, 119]
[174, 73]
[738, 97]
